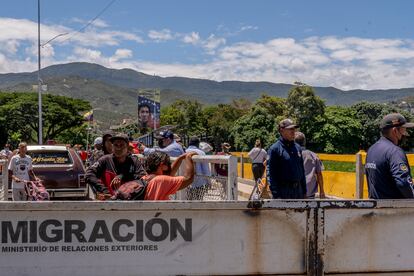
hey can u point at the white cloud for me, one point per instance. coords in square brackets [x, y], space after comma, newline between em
[342, 62]
[192, 38]
[121, 54]
[162, 35]
[213, 42]
[98, 23]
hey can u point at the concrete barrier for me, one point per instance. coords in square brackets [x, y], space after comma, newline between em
[300, 237]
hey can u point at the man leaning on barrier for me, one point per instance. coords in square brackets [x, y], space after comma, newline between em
[285, 172]
[111, 170]
[387, 169]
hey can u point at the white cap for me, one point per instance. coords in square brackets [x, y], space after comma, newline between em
[98, 141]
[205, 147]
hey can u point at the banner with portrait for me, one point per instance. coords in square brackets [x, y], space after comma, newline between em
[149, 109]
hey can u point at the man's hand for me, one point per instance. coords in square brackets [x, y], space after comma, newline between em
[322, 195]
[116, 182]
[191, 154]
[101, 196]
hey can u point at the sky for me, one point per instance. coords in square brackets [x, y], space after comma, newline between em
[350, 44]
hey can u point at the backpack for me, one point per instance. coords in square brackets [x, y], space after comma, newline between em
[132, 190]
[36, 191]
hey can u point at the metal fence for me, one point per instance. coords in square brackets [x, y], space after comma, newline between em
[214, 186]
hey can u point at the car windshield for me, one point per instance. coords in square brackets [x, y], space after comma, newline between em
[50, 158]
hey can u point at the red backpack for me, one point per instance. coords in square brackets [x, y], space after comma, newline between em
[36, 191]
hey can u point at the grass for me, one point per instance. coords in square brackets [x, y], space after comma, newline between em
[343, 166]
[339, 166]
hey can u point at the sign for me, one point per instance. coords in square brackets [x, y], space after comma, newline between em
[148, 238]
[149, 109]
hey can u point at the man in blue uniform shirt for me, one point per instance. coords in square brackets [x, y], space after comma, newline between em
[387, 169]
[285, 172]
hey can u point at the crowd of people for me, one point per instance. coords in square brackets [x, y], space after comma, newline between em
[292, 171]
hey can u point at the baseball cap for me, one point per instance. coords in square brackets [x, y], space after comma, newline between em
[394, 120]
[120, 136]
[165, 134]
[205, 147]
[226, 145]
[287, 123]
[98, 141]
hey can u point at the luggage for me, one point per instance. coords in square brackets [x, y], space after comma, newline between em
[36, 191]
[132, 190]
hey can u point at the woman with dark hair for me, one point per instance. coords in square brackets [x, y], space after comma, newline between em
[258, 157]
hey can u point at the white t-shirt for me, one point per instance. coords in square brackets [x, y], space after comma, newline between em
[20, 166]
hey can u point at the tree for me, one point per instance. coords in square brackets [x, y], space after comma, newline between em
[341, 131]
[185, 115]
[370, 115]
[274, 106]
[258, 124]
[306, 109]
[19, 111]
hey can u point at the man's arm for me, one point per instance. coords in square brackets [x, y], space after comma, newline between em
[176, 164]
[319, 176]
[93, 174]
[401, 174]
[188, 170]
[32, 176]
[270, 171]
[319, 180]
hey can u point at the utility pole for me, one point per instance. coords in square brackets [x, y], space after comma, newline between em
[39, 80]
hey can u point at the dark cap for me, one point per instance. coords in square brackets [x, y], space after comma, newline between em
[194, 141]
[120, 136]
[165, 134]
[226, 145]
[287, 123]
[394, 120]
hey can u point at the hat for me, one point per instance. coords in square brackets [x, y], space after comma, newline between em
[98, 141]
[205, 147]
[165, 134]
[287, 123]
[226, 145]
[394, 120]
[120, 136]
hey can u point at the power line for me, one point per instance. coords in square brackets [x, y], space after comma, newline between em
[83, 27]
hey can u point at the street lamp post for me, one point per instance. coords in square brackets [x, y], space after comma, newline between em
[39, 80]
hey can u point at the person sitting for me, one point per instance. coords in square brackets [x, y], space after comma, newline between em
[111, 170]
[161, 178]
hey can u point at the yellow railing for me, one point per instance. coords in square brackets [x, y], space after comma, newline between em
[340, 184]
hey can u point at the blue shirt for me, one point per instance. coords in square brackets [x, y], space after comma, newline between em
[387, 170]
[173, 150]
[285, 172]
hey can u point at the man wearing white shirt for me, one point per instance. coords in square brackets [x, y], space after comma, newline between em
[21, 171]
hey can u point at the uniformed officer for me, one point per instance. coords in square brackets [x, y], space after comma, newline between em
[387, 169]
[285, 172]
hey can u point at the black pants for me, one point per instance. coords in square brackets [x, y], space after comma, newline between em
[258, 170]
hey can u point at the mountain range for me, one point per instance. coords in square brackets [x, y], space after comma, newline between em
[113, 92]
